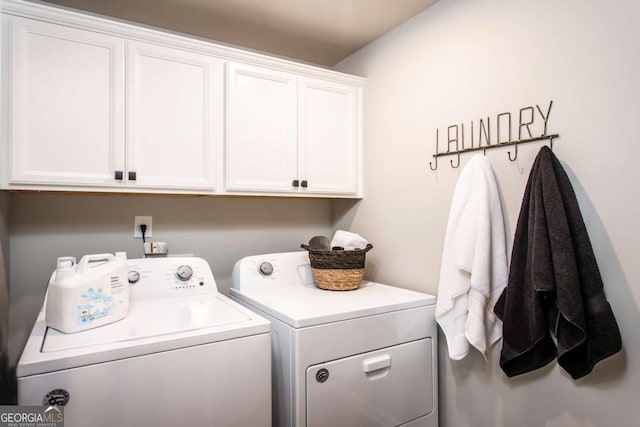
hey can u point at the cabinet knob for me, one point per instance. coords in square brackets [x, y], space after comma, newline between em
[296, 183]
[118, 175]
[132, 176]
[304, 184]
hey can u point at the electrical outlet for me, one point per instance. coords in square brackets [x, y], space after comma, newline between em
[137, 221]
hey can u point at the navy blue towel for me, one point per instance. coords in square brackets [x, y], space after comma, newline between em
[554, 287]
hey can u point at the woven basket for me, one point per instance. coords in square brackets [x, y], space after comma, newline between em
[337, 270]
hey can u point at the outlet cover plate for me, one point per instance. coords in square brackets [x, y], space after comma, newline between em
[137, 221]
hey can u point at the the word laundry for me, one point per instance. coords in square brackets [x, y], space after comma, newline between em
[456, 135]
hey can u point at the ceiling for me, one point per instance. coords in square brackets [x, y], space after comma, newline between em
[318, 31]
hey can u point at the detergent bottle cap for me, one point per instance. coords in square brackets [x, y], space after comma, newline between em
[65, 266]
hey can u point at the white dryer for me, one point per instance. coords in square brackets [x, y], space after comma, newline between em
[184, 355]
[366, 357]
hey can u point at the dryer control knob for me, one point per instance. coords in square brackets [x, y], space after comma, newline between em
[266, 268]
[133, 276]
[184, 273]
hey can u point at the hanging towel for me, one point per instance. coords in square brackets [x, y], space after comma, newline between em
[474, 262]
[554, 283]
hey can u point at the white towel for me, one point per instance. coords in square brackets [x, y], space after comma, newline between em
[474, 269]
[348, 241]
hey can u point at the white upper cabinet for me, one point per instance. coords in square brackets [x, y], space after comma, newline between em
[174, 117]
[327, 135]
[261, 143]
[66, 114]
[91, 104]
[287, 133]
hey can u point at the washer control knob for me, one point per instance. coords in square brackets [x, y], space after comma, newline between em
[184, 273]
[266, 268]
[133, 276]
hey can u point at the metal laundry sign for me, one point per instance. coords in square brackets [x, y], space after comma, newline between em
[503, 124]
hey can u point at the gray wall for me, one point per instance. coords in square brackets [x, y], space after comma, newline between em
[5, 389]
[462, 60]
[221, 230]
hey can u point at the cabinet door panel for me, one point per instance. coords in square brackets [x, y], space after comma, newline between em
[67, 104]
[174, 117]
[261, 129]
[327, 136]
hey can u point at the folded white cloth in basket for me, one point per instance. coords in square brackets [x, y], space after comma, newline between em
[349, 241]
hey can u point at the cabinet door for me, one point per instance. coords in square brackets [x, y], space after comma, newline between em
[261, 129]
[327, 136]
[174, 117]
[67, 104]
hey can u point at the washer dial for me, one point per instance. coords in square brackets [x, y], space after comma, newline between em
[265, 268]
[133, 276]
[184, 273]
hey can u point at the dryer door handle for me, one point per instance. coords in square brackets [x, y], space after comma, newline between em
[376, 363]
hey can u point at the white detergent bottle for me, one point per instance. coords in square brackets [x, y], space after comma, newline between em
[92, 293]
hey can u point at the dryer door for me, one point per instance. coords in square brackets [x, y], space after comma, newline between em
[385, 387]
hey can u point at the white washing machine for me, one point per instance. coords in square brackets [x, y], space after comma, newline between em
[366, 357]
[184, 355]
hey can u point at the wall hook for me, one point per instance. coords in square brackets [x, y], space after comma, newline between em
[436, 166]
[551, 143]
[435, 156]
[515, 152]
[457, 164]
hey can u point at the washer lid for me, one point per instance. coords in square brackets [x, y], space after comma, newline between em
[151, 318]
[302, 306]
[151, 326]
